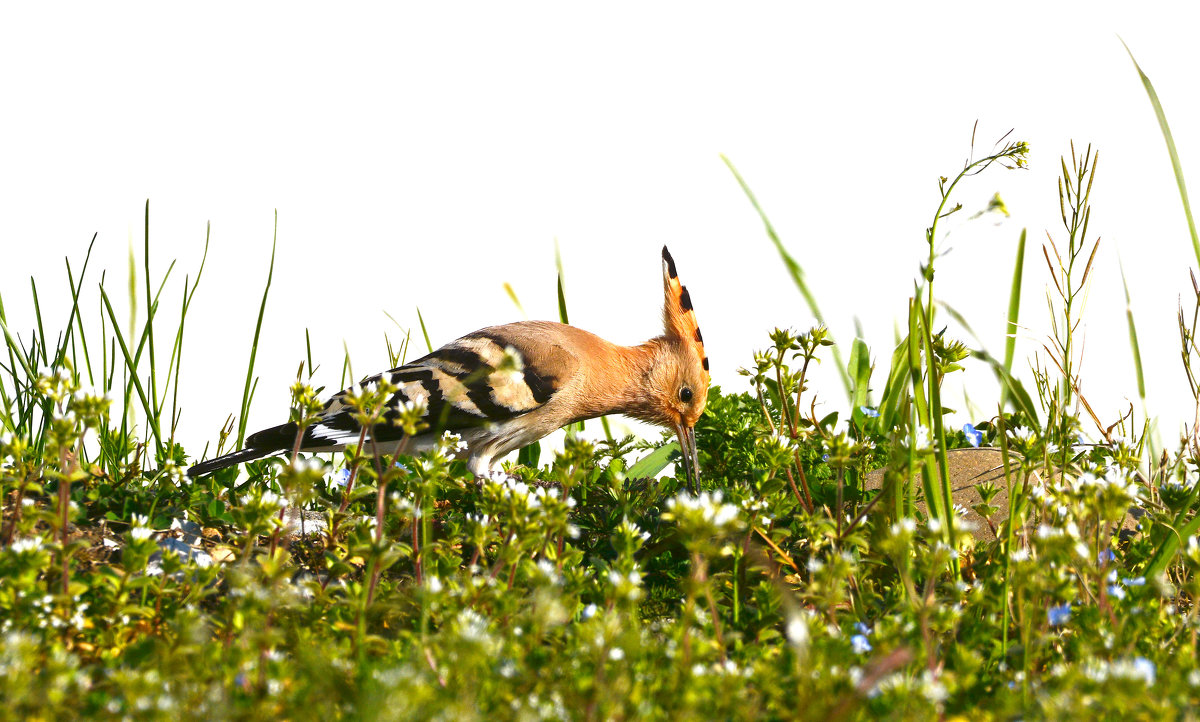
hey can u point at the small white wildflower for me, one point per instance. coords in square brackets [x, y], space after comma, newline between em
[796, 631]
[932, 688]
[26, 544]
[454, 442]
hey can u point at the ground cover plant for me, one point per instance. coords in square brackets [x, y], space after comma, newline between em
[596, 586]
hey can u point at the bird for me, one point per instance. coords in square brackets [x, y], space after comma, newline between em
[503, 387]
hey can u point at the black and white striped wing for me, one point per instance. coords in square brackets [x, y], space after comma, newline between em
[463, 385]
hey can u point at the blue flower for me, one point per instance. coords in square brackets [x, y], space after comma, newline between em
[859, 644]
[339, 478]
[973, 435]
[1105, 555]
[868, 412]
[1135, 582]
[1116, 591]
[862, 628]
[1058, 616]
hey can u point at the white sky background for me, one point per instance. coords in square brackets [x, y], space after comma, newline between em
[424, 156]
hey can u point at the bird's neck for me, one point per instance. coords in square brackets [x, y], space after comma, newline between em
[619, 380]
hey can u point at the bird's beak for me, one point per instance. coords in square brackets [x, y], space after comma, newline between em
[687, 448]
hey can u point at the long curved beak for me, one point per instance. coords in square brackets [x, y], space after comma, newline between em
[687, 448]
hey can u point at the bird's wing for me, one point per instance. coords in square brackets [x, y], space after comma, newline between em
[489, 376]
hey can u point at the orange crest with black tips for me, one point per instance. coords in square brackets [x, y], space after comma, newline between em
[679, 318]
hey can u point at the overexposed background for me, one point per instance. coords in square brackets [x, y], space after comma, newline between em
[423, 155]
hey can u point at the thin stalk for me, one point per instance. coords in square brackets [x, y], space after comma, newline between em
[262, 309]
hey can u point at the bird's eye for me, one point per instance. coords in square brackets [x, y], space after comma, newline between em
[685, 395]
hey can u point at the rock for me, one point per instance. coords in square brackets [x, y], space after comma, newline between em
[970, 467]
[303, 522]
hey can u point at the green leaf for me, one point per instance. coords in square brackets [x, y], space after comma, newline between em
[860, 371]
[650, 464]
[530, 455]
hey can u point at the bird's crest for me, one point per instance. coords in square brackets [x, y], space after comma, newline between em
[679, 318]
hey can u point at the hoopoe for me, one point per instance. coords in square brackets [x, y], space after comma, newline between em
[497, 403]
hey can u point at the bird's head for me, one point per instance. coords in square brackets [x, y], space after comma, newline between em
[681, 378]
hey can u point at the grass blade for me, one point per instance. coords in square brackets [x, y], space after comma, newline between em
[423, 331]
[1014, 312]
[151, 304]
[75, 317]
[262, 309]
[1133, 338]
[41, 334]
[562, 316]
[1175, 164]
[562, 299]
[1012, 389]
[131, 368]
[512, 295]
[562, 302]
[893, 392]
[177, 348]
[794, 270]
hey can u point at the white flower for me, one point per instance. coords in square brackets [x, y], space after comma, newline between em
[707, 510]
[472, 626]
[26, 544]
[312, 464]
[454, 442]
[797, 632]
[433, 584]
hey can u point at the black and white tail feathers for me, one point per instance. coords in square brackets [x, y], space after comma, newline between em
[260, 444]
[463, 386]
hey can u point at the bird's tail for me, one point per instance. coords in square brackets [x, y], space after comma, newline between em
[263, 443]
